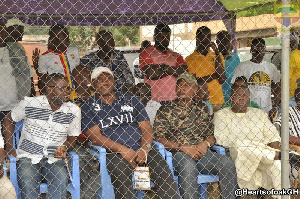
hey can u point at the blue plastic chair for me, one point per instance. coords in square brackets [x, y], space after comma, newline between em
[204, 179]
[106, 190]
[73, 188]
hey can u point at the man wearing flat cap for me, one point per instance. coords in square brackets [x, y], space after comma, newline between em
[119, 122]
[185, 128]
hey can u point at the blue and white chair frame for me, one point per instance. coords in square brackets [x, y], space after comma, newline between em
[106, 189]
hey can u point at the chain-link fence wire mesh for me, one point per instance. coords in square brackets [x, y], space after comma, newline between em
[186, 85]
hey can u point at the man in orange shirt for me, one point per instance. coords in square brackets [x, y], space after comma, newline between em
[207, 64]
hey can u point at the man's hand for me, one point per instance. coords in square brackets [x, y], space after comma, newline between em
[202, 147]
[82, 142]
[129, 155]
[61, 152]
[141, 155]
[192, 151]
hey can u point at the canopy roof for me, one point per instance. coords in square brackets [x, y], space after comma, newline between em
[121, 12]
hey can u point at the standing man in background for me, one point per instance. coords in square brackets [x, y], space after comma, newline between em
[161, 65]
[232, 60]
[61, 57]
[207, 64]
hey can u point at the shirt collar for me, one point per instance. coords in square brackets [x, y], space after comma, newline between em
[119, 98]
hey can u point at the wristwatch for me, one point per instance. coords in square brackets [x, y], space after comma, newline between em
[148, 145]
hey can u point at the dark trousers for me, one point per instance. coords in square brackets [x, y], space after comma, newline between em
[121, 175]
[2, 115]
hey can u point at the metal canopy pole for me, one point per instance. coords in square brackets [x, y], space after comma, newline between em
[285, 60]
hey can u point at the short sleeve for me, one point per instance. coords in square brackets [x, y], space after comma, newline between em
[145, 58]
[270, 132]
[180, 60]
[43, 67]
[18, 112]
[276, 74]
[88, 117]
[237, 73]
[161, 124]
[127, 74]
[75, 125]
[190, 64]
[221, 132]
[141, 114]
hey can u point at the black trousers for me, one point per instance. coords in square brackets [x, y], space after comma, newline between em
[121, 175]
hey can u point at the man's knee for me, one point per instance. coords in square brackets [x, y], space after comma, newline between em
[184, 165]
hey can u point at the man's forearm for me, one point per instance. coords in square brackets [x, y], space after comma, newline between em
[147, 138]
[154, 72]
[206, 79]
[9, 127]
[108, 143]
[275, 145]
[294, 140]
[2, 155]
[170, 145]
[277, 94]
[220, 69]
[176, 70]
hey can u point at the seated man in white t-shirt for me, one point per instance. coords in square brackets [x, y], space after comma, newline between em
[7, 190]
[143, 91]
[263, 77]
[50, 127]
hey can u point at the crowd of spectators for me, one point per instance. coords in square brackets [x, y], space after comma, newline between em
[188, 105]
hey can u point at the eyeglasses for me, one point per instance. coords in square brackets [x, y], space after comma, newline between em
[68, 88]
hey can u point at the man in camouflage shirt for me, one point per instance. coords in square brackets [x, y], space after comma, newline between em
[186, 129]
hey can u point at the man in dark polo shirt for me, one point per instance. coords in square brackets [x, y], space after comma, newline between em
[119, 122]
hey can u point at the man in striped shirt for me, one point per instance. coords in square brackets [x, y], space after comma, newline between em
[50, 125]
[294, 124]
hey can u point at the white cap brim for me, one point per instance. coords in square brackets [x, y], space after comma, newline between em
[99, 70]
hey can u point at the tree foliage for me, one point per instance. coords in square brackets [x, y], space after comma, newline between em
[125, 35]
[84, 36]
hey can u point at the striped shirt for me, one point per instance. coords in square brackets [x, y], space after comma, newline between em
[63, 63]
[294, 121]
[44, 130]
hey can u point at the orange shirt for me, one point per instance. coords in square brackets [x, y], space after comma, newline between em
[201, 66]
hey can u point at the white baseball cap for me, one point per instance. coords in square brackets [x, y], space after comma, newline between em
[99, 70]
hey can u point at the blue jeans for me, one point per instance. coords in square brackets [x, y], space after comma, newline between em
[211, 163]
[30, 177]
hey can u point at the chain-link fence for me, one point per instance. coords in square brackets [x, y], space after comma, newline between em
[149, 99]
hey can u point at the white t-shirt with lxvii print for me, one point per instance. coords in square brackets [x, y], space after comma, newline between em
[259, 78]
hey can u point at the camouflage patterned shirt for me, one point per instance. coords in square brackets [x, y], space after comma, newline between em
[187, 125]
